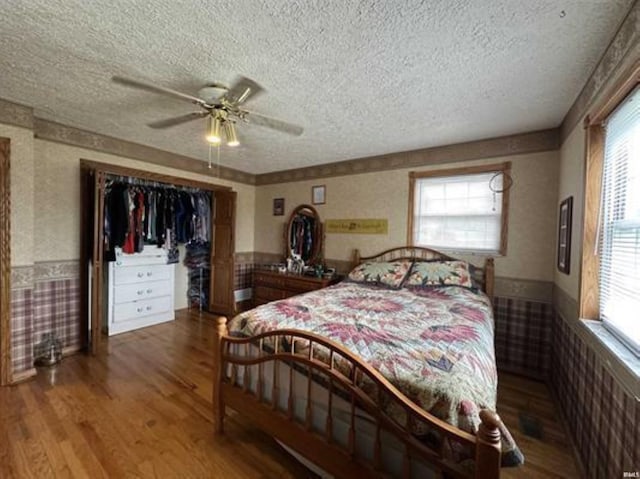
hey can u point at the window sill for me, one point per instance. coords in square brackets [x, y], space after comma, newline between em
[617, 358]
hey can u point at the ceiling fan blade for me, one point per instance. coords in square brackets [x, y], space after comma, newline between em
[261, 120]
[157, 89]
[178, 119]
[243, 89]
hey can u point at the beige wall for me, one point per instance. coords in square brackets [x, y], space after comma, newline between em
[532, 217]
[57, 194]
[22, 196]
[45, 201]
[571, 183]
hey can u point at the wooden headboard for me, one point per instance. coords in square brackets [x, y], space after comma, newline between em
[483, 276]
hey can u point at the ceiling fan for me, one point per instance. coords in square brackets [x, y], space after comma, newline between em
[220, 105]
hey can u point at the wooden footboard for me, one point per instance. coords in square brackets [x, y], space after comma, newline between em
[345, 376]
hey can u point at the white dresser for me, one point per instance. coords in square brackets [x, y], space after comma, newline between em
[140, 290]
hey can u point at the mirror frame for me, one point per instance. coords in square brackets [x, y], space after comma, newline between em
[318, 243]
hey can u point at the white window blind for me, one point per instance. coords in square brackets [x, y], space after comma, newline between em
[620, 227]
[458, 213]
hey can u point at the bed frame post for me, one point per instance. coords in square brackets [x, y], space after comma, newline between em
[219, 332]
[488, 448]
[356, 258]
[489, 274]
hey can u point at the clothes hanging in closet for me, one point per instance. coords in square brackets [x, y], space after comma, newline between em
[136, 215]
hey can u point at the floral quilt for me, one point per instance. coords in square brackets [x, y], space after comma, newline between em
[433, 344]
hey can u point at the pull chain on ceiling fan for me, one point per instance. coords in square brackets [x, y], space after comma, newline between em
[220, 106]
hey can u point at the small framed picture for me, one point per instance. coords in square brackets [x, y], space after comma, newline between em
[278, 206]
[564, 235]
[318, 194]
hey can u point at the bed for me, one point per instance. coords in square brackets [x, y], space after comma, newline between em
[379, 375]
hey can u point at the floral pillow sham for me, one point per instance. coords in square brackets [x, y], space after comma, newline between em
[385, 274]
[430, 274]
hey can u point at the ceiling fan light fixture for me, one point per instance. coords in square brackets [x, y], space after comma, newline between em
[230, 132]
[213, 130]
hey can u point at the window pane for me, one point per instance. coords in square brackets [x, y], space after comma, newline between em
[458, 212]
[620, 235]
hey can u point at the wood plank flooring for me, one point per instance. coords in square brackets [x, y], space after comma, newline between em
[141, 408]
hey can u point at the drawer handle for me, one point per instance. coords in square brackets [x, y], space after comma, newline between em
[140, 291]
[148, 308]
[140, 275]
[139, 310]
[149, 291]
[149, 273]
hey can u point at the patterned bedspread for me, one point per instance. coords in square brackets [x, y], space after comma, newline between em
[435, 345]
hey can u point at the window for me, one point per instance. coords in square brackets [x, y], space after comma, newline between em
[460, 210]
[619, 275]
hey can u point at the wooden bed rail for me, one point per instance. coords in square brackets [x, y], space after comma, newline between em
[318, 360]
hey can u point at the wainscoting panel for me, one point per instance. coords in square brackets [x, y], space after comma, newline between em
[21, 330]
[603, 418]
[56, 308]
[523, 336]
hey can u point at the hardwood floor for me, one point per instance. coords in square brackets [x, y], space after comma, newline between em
[141, 408]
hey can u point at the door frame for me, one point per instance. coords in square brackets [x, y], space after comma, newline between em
[6, 372]
[96, 248]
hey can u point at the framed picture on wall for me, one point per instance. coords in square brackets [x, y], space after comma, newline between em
[278, 206]
[564, 235]
[318, 194]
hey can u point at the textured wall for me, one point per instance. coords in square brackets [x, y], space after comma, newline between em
[532, 217]
[571, 183]
[22, 198]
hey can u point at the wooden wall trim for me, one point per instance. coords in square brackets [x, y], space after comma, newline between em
[619, 57]
[533, 142]
[589, 286]
[5, 263]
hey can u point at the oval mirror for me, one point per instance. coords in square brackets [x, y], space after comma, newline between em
[303, 234]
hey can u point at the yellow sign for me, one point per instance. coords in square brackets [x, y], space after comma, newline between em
[363, 227]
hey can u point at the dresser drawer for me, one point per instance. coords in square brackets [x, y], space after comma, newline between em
[265, 279]
[270, 294]
[140, 309]
[301, 285]
[138, 274]
[125, 293]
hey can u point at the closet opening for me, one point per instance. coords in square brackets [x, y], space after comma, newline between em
[151, 244]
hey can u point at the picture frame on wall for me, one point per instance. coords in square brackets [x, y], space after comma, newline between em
[318, 194]
[278, 206]
[564, 235]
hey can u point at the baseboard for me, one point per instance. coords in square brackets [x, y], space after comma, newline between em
[70, 350]
[524, 373]
[565, 425]
[23, 376]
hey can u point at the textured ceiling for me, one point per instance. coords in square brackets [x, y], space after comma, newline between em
[363, 78]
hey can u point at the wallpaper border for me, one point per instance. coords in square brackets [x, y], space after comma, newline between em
[620, 55]
[531, 142]
[22, 277]
[522, 143]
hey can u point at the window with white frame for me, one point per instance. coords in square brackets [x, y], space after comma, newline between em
[619, 277]
[460, 210]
